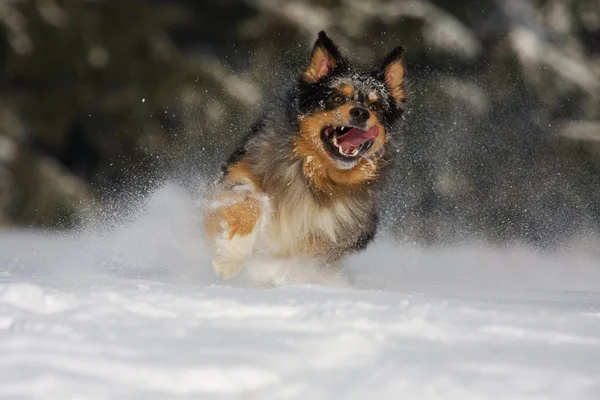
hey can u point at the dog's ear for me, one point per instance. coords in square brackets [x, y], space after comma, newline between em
[324, 59]
[392, 71]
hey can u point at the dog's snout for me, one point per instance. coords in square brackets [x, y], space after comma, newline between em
[359, 115]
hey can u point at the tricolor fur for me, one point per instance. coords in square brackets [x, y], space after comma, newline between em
[305, 180]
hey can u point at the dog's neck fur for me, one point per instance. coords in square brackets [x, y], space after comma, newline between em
[301, 213]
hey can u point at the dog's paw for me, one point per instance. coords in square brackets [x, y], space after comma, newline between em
[227, 269]
[232, 225]
[233, 248]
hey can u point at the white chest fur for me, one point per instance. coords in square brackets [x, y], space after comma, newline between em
[300, 225]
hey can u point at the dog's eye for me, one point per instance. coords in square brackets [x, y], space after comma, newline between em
[338, 99]
[374, 107]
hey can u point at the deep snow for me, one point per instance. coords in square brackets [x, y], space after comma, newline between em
[136, 313]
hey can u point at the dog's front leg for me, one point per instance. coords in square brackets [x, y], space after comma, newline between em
[232, 223]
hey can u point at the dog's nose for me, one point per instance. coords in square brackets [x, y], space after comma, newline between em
[359, 115]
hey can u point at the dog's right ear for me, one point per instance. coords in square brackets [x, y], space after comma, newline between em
[324, 59]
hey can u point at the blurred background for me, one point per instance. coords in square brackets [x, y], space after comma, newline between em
[101, 102]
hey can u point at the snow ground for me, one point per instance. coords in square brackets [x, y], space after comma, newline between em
[135, 313]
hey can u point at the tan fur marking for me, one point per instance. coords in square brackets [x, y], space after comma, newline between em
[394, 77]
[317, 164]
[346, 89]
[240, 172]
[242, 215]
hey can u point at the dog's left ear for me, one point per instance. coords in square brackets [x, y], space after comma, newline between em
[393, 71]
[324, 59]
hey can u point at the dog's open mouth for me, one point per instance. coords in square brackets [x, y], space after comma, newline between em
[347, 142]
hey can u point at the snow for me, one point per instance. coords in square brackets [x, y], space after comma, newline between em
[135, 312]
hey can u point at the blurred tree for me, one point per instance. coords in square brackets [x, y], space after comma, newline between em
[502, 139]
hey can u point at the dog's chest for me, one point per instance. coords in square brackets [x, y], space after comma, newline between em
[300, 226]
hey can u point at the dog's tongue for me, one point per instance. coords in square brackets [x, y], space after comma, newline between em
[355, 137]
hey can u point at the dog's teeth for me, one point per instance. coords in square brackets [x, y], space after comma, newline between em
[341, 151]
[334, 141]
[355, 152]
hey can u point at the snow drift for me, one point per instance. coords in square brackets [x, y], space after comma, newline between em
[134, 311]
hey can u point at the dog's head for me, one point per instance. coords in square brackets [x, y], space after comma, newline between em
[345, 115]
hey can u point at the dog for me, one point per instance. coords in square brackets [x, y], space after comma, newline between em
[306, 179]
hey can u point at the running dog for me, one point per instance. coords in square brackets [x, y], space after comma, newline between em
[305, 181]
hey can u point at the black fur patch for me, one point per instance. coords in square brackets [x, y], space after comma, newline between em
[240, 151]
[367, 235]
